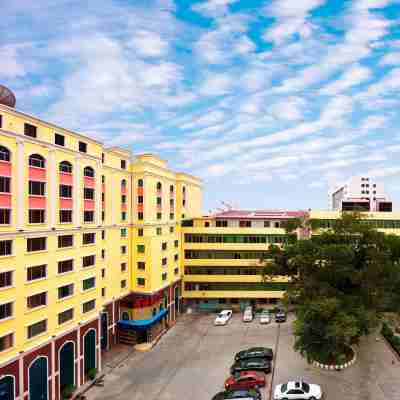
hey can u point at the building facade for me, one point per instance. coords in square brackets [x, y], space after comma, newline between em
[89, 252]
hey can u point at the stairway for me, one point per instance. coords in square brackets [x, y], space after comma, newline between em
[127, 337]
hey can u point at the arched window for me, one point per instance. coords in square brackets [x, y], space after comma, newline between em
[159, 186]
[7, 387]
[36, 160]
[171, 188]
[88, 171]
[184, 190]
[4, 154]
[65, 166]
[140, 183]
[123, 183]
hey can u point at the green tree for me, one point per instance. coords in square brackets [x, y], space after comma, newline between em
[342, 278]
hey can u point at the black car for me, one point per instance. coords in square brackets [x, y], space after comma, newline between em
[243, 394]
[280, 316]
[255, 352]
[251, 364]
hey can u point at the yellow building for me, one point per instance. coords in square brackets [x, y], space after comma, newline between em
[89, 236]
[221, 258]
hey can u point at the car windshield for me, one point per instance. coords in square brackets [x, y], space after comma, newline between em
[222, 315]
[284, 388]
[306, 387]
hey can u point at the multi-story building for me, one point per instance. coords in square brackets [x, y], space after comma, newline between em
[89, 250]
[222, 258]
[360, 193]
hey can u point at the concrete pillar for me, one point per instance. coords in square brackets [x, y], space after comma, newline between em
[21, 166]
[52, 192]
[53, 368]
[21, 376]
[98, 185]
[78, 346]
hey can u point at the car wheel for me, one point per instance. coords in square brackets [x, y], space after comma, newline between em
[312, 398]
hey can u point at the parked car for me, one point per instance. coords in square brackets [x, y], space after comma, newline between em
[251, 364]
[245, 380]
[255, 352]
[280, 316]
[250, 394]
[223, 317]
[248, 314]
[265, 317]
[297, 390]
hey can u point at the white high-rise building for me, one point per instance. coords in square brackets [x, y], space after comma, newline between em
[360, 193]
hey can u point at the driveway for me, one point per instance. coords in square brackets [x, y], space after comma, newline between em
[192, 361]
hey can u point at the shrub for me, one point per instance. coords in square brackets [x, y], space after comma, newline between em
[68, 391]
[92, 373]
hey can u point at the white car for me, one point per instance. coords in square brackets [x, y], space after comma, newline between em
[297, 390]
[265, 317]
[223, 317]
[248, 315]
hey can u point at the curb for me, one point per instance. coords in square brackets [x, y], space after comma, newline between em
[336, 367]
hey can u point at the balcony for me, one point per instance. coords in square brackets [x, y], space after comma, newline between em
[89, 182]
[123, 207]
[5, 200]
[233, 294]
[123, 190]
[65, 204]
[37, 202]
[5, 168]
[88, 205]
[140, 191]
[37, 174]
[140, 207]
[66, 178]
[159, 207]
[159, 192]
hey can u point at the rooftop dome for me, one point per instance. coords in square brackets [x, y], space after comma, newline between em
[7, 97]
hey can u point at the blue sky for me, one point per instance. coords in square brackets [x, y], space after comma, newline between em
[270, 102]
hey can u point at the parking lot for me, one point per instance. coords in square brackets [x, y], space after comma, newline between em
[192, 361]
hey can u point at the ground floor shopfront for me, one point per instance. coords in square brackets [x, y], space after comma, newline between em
[216, 304]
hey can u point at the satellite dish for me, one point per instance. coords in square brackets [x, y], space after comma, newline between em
[7, 97]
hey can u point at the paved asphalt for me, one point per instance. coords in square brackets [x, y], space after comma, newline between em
[192, 361]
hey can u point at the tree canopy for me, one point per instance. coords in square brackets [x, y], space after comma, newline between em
[342, 278]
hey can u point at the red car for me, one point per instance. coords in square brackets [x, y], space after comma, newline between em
[245, 380]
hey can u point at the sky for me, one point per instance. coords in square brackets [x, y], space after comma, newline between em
[270, 102]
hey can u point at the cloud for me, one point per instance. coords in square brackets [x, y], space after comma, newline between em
[149, 44]
[213, 8]
[390, 59]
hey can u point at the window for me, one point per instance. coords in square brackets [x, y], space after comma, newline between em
[123, 267]
[123, 199]
[221, 224]
[164, 276]
[6, 342]
[65, 166]
[171, 189]
[141, 265]
[140, 183]
[5, 186]
[89, 283]
[36, 300]
[184, 203]
[140, 216]
[30, 130]
[123, 164]
[267, 224]
[103, 254]
[159, 186]
[36, 272]
[6, 310]
[140, 199]
[103, 273]
[88, 306]
[65, 241]
[103, 292]
[88, 172]
[36, 216]
[277, 224]
[158, 231]
[5, 216]
[176, 271]
[88, 216]
[88, 261]
[37, 328]
[65, 316]
[124, 232]
[65, 291]
[141, 281]
[171, 216]
[65, 266]
[123, 249]
[176, 256]
[37, 188]
[171, 202]
[123, 284]
[65, 216]
[140, 232]
[159, 201]
[36, 160]
[89, 238]
[4, 154]
[123, 215]
[82, 147]
[176, 243]
[66, 191]
[171, 229]
[5, 247]
[164, 261]
[103, 158]
[103, 215]
[103, 235]
[159, 215]
[88, 193]
[103, 179]
[140, 248]
[59, 139]
[36, 244]
[164, 246]
[245, 224]
[6, 279]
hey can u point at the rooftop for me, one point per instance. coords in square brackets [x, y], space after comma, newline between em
[259, 214]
